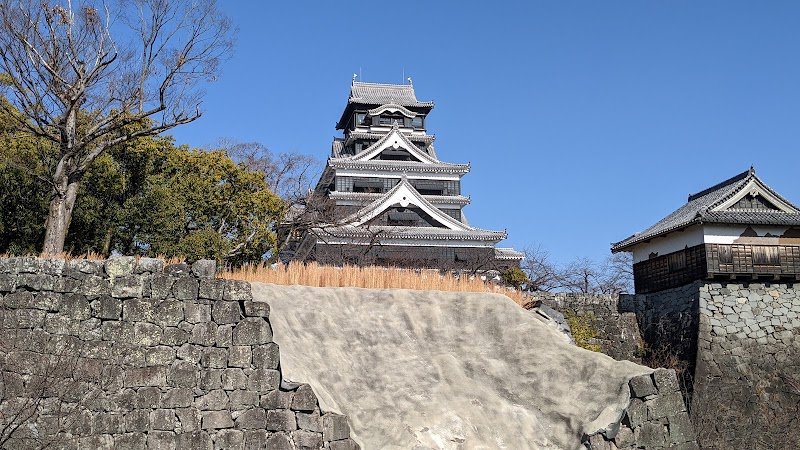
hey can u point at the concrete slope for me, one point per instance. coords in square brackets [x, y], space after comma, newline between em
[443, 370]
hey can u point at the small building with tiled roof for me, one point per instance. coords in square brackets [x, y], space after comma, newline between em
[391, 200]
[738, 229]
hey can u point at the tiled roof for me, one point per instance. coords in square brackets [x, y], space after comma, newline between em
[392, 107]
[337, 147]
[702, 208]
[427, 138]
[399, 166]
[397, 232]
[381, 94]
[368, 196]
[507, 253]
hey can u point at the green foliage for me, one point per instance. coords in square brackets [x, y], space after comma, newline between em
[514, 276]
[145, 197]
[583, 331]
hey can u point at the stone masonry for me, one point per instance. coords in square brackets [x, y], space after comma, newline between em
[655, 419]
[130, 354]
[612, 316]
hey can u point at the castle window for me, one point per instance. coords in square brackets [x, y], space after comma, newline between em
[388, 120]
[416, 122]
[764, 255]
[676, 261]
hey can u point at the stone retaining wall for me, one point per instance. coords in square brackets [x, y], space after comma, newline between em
[747, 381]
[127, 354]
[655, 419]
[612, 316]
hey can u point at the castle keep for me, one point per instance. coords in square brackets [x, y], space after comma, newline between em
[389, 199]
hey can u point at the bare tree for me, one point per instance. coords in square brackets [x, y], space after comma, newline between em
[542, 273]
[86, 76]
[289, 175]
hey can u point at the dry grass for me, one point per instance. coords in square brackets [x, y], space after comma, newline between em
[313, 274]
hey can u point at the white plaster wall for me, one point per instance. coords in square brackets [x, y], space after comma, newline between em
[728, 234]
[670, 243]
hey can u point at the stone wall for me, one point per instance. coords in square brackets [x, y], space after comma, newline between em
[131, 354]
[655, 419]
[747, 381]
[612, 316]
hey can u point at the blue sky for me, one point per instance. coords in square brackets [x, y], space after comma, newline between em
[584, 121]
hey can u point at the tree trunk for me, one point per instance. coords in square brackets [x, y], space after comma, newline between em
[58, 217]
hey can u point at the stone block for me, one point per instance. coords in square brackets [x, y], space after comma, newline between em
[185, 288]
[223, 312]
[94, 286]
[182, 374]
[335, 427]
[636, 413]
[189, 418]
[310, 421]
[178, 270]
[214, 358]
[204, 268]
[263, 380]
[233, 378]
[130, 441]
[256, 309]
[204, 334]
[197, 312]
[224, 335]
[168, 313]
[251, 419]
[650, 435]
[277, 399]
[144, 376]
[666, 380]
[279, 441]
[7, 282]
[36, 281]
[281, 420]
[74, 306]
[130, 286]
[138, 310]
[161, 286]
[624, 438]
[304, 399]
[307, 440]
[108, 423]
[255, 439]
[177, 398]
[137, 420]
[680, 429]
[642, 386]
[160, 355]
[210, 379]
[229, 440]
[252, 331]
[106, 307]
[175, 337]
[236, 290]
[212, 401]
[163, 419]
[266, 356]
[211, 289]
[91, 267]
[149, 265]
[96, 441]
[120, 266]
[241, 399]
[240, 356]
[161, 440]
[195, 440]
[19, 300]
[667, 404]
[146, 334]
[213, 420]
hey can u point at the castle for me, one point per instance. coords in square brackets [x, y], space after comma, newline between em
[385, 197]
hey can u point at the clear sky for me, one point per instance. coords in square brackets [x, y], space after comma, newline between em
[584, 121]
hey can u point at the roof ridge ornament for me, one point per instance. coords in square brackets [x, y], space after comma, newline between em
[411, 83]
[354, 79]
